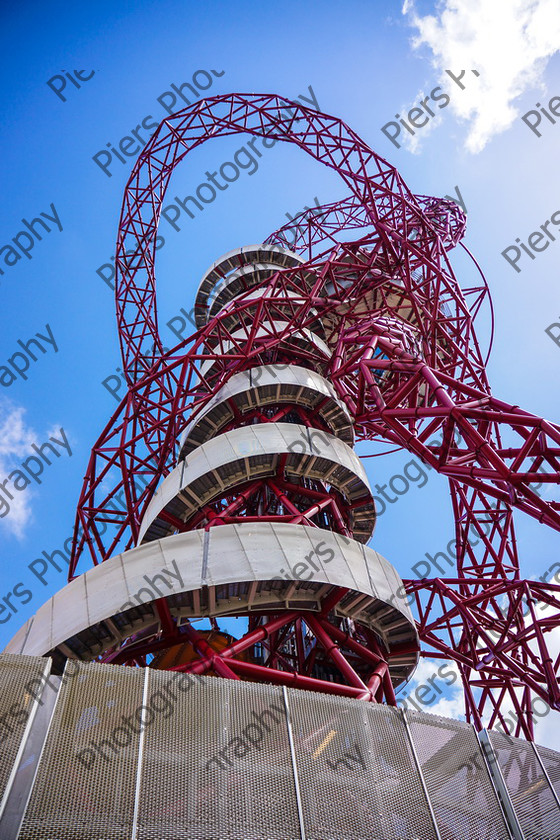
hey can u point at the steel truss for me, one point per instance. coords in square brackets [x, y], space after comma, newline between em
[406, 363]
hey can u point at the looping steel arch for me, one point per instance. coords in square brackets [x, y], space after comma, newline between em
[373, 181]
[404, 378]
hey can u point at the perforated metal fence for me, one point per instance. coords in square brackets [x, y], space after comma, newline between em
[551, 763]
[460, 788]
[85, 785]
[356, 770]
[139, 754]
[217, 764]
[531, 794]
[21, 682]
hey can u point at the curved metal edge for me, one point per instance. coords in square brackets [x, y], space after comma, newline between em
[245, 444]
[260, 377]
[228, 554]
[247, 255]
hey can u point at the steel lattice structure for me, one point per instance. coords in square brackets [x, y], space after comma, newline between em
[372, 305]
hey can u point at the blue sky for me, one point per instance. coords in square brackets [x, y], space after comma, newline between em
[365, 63]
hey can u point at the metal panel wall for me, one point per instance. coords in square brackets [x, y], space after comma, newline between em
[529, 790]
[216, 762]
[21, 681]
[139, 754]
[357, 772]
[463, 798]
[551, 762]
[86, 780]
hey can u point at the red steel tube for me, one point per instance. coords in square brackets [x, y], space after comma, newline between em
[259, 672]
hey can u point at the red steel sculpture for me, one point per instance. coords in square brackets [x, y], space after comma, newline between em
[358, 297]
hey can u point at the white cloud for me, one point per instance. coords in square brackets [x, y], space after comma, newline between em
[509, 42]
[450, 700]
[547, 728]
[15, 444]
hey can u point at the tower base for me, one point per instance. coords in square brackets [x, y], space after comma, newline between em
[108, 752]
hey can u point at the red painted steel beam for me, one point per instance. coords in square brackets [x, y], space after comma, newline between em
[403, 379]
[250, 670]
